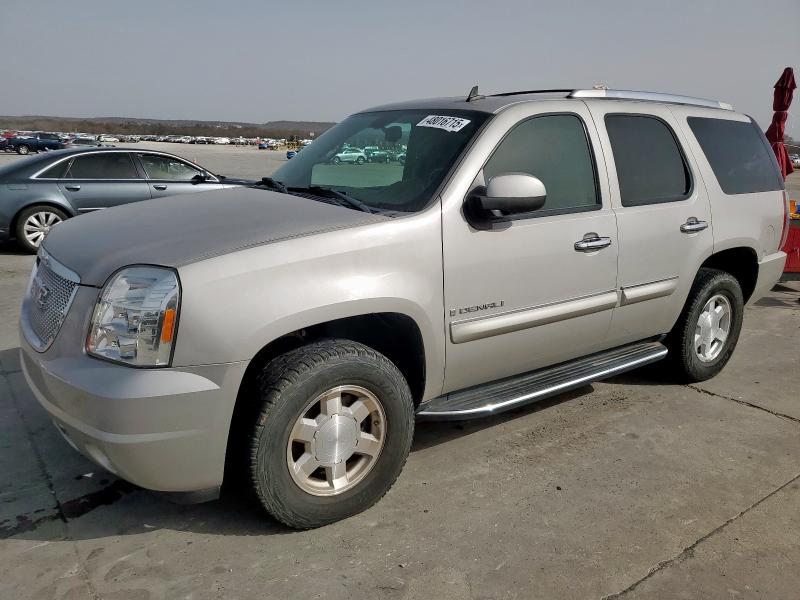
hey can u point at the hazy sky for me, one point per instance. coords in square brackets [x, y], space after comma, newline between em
[260, 60]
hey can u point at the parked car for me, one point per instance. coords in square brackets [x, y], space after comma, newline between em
[291, 154]
[35, 142]
[295, 330]
[109, 139]
[83, 141]
[795, 158]
[42, 191]
[376, 155]
[349, 155]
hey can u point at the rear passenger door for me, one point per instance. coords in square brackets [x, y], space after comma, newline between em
[101, 180]
[663, 215]
[168, 175]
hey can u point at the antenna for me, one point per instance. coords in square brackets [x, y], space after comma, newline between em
[474, 95]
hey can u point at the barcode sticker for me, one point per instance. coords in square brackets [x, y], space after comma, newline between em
[442, 122]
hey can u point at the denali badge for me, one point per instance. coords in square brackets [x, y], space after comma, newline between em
[476, 308]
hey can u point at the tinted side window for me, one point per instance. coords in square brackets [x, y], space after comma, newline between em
[113, 165]
[650, 165]
[554, 148]
[158, 166]
[57, 171]
[741, 161]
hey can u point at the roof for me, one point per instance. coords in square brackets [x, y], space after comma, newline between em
[496, 102]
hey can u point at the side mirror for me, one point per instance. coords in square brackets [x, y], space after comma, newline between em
[508, 194]
[199, 178]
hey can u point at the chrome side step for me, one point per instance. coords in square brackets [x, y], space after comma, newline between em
[498, 396]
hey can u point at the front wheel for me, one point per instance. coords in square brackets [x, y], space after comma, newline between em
[705, 336]
[333, 433]
[360, 160]
[336, 160]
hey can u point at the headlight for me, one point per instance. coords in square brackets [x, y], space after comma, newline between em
[136, 317]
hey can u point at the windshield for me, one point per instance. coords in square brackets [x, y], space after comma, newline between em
[393, 160]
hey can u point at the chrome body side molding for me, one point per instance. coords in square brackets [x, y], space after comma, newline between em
[648, 291]
[483, 327]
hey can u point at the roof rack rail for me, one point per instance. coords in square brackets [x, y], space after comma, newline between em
[648, 96]
[554, 91]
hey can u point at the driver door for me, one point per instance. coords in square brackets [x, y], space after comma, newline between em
[519, 295]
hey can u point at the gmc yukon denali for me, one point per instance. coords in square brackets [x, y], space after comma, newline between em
[294, 330]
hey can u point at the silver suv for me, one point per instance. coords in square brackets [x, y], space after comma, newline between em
[293, 331]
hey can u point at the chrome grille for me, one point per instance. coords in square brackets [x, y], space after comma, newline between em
[46, 304]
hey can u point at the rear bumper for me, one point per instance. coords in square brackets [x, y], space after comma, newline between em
[161, 429]
[770, 269]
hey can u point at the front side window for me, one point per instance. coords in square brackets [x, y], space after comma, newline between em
[112, 165]
[554, 148]
[421, 147]
[158, 166]
[650, 165]
[742, 161]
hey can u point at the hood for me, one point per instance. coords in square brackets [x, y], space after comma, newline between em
[178, 230]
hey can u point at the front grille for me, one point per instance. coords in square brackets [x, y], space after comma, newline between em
[47, 302]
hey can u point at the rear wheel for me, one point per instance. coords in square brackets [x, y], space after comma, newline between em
[34, 223]
[333, 433]
[705, 336]
[360, 160]
[23, 149]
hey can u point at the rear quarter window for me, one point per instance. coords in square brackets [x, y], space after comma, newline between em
[738, 154]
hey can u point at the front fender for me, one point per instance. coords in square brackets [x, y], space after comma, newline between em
[234, 305]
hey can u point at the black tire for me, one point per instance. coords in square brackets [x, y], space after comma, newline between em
[23, 149]
[685, 364]
[360, 160]
[22, 217]
[284, 388]
[336, 160]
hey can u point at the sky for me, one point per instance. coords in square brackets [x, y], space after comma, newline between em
[263, 60]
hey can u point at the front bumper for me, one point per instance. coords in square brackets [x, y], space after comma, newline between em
[161, 429]
[770, 269]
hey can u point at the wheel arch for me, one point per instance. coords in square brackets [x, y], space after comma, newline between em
[739, 261]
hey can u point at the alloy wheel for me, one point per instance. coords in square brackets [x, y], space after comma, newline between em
[38, 225]
[336, 440]
[713, 327]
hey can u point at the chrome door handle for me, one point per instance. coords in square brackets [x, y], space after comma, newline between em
[73, 187]
[693, 225]
[160, 186]
[592, 242]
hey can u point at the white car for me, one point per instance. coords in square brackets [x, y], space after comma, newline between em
[107, 138]
[795, 158]
[350, 155]
[222, 140]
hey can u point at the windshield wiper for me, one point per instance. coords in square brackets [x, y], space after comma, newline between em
[343, 199]
[272, 184]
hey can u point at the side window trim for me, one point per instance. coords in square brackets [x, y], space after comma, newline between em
[687, 169]
[598, 205]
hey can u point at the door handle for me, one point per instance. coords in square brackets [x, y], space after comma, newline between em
[72, 187]
[592, 242]
[693, 225]
[160, 186]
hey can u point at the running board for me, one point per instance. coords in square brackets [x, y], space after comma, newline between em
[505, 394]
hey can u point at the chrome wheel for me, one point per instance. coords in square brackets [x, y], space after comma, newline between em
[713, 327]
[336, 440]
[38, 225]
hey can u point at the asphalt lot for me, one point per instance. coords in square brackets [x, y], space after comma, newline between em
[631, 488]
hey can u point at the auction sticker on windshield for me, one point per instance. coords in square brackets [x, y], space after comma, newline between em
[442, 122]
